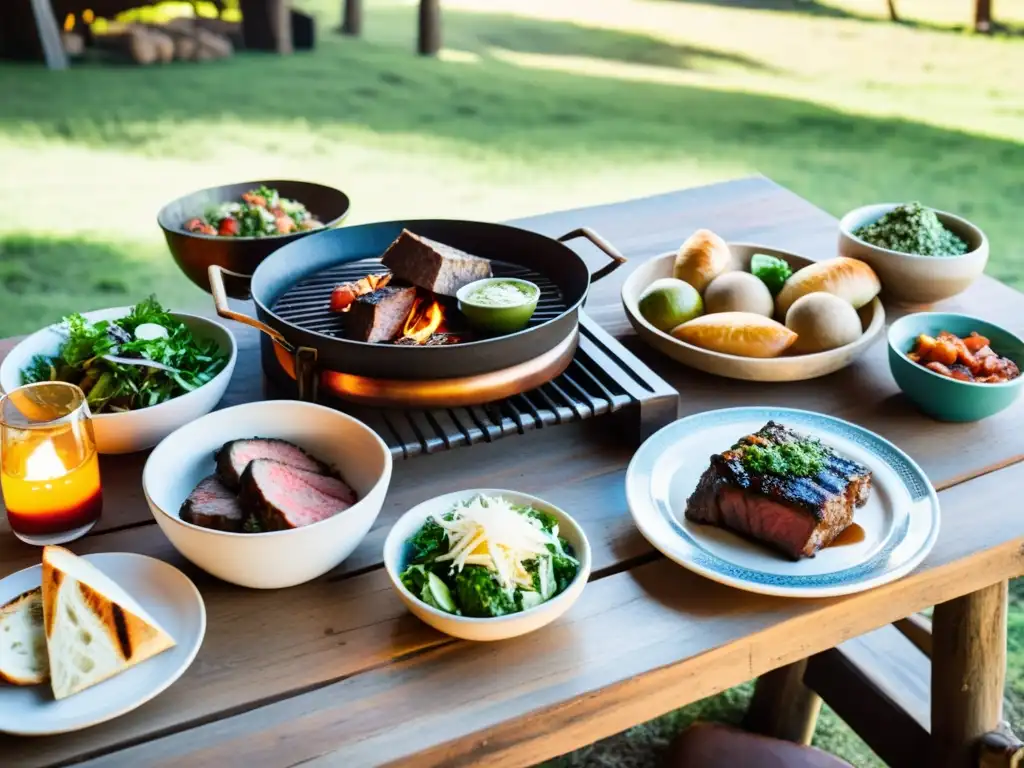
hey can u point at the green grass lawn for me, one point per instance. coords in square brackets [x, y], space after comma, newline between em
[534, 105]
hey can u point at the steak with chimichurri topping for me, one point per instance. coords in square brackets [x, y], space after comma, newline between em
[781, 488]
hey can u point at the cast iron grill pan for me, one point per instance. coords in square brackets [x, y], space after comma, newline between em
[307, 303]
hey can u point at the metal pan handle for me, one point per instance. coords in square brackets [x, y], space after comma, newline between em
[613, 253]
[220, 302]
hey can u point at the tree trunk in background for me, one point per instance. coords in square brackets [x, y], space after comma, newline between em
[430, 27]
[352, 18]
[982, 15]
[892, 10]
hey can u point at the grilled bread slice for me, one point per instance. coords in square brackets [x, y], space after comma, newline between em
[94, 629]
[23, 659]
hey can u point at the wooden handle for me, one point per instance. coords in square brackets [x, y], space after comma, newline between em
[613, 253]
[220, 303]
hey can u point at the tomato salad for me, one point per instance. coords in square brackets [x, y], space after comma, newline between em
[261, 213]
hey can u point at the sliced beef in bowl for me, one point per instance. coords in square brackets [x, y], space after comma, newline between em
[234, 457]
[213, 505]
[282, 497]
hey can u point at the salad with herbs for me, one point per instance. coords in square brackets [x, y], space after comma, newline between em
[262, 212]
[912, 228]
[489, 557]
[143, 359]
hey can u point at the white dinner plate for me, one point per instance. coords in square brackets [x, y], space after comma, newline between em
[900, 520]
[169, 596]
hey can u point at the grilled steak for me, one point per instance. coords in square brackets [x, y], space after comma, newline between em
[281, 498]
[796, 515]
[379, 315]
[213, 505]
[234, 457]
[328, 484]
[431, 265]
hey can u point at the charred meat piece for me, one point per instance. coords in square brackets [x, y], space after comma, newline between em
[281, 498]
[333, 486]
[798, 515]
[343, 295]
[213, 505]
[234, 457]
[433, 266]
[380, 315]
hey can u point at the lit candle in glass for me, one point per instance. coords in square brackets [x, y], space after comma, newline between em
[49, 468]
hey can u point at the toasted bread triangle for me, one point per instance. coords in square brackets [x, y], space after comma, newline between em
[23, 659]
[94, 629]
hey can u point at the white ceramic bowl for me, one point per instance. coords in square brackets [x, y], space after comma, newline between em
[278, 558]
[908, 278]
[786, 368]
[500, 627]
[144, 428]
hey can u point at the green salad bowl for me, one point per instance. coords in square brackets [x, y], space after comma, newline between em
[939, 396]
[497, 318]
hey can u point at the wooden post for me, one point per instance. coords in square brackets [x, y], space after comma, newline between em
[352, 18]
[982, 15]
[968, 674]
[783, 706]
[430, 27]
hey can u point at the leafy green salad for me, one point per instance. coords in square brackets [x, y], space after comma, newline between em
[489, 557]
[145, 358]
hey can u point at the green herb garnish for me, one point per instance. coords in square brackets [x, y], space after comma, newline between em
[770, 270]
[799, 459]
[120, 370]
[915, 229]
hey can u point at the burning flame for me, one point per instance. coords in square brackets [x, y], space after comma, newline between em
[69, 22]
[424, 320]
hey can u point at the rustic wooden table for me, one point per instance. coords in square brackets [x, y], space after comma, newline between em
[337, 672]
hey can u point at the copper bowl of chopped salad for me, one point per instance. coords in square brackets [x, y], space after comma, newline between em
[236, 226]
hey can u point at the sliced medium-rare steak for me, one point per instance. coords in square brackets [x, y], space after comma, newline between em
[234, 457]
[380, 315]
[431, 265]
[328, 484]
[213, 505]
[797, 512]
[280, 497]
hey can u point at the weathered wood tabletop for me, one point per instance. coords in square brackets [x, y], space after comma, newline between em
[336, 672]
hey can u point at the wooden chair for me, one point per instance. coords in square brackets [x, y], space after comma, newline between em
[710, 745]
[880, 685]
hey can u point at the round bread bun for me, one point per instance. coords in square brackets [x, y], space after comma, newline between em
[702, 258]
[738, 292]
[737, 333]
[849, 279]
[821, 322]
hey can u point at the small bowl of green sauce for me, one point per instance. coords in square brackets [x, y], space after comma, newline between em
[499, 304]
[922, 255]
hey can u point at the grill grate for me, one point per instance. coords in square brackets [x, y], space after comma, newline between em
[603, 378]
[307, 303]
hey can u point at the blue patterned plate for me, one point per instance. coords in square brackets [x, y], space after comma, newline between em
[899, 523]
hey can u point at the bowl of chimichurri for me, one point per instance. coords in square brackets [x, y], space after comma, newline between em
[499, 304]
[922, 255]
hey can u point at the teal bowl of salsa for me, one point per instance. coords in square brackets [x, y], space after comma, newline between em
[939, 394]
[499, 304]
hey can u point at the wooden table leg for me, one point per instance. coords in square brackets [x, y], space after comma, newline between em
[968, 673]
[352, 18]
[783, 706]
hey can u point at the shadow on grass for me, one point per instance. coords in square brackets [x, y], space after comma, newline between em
[49, 277]
[479, 32]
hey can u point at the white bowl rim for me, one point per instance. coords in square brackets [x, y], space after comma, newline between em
[384, 478]
[468, 288]
[971, 384]
[844, 227]
[875, 326]
[584, 557]
[227, 369]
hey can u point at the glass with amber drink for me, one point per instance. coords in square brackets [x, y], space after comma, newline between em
[49, 469]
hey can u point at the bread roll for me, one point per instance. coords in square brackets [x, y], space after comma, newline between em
[846, 278]
[822, 321]
[702, 258]
[737, 333]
